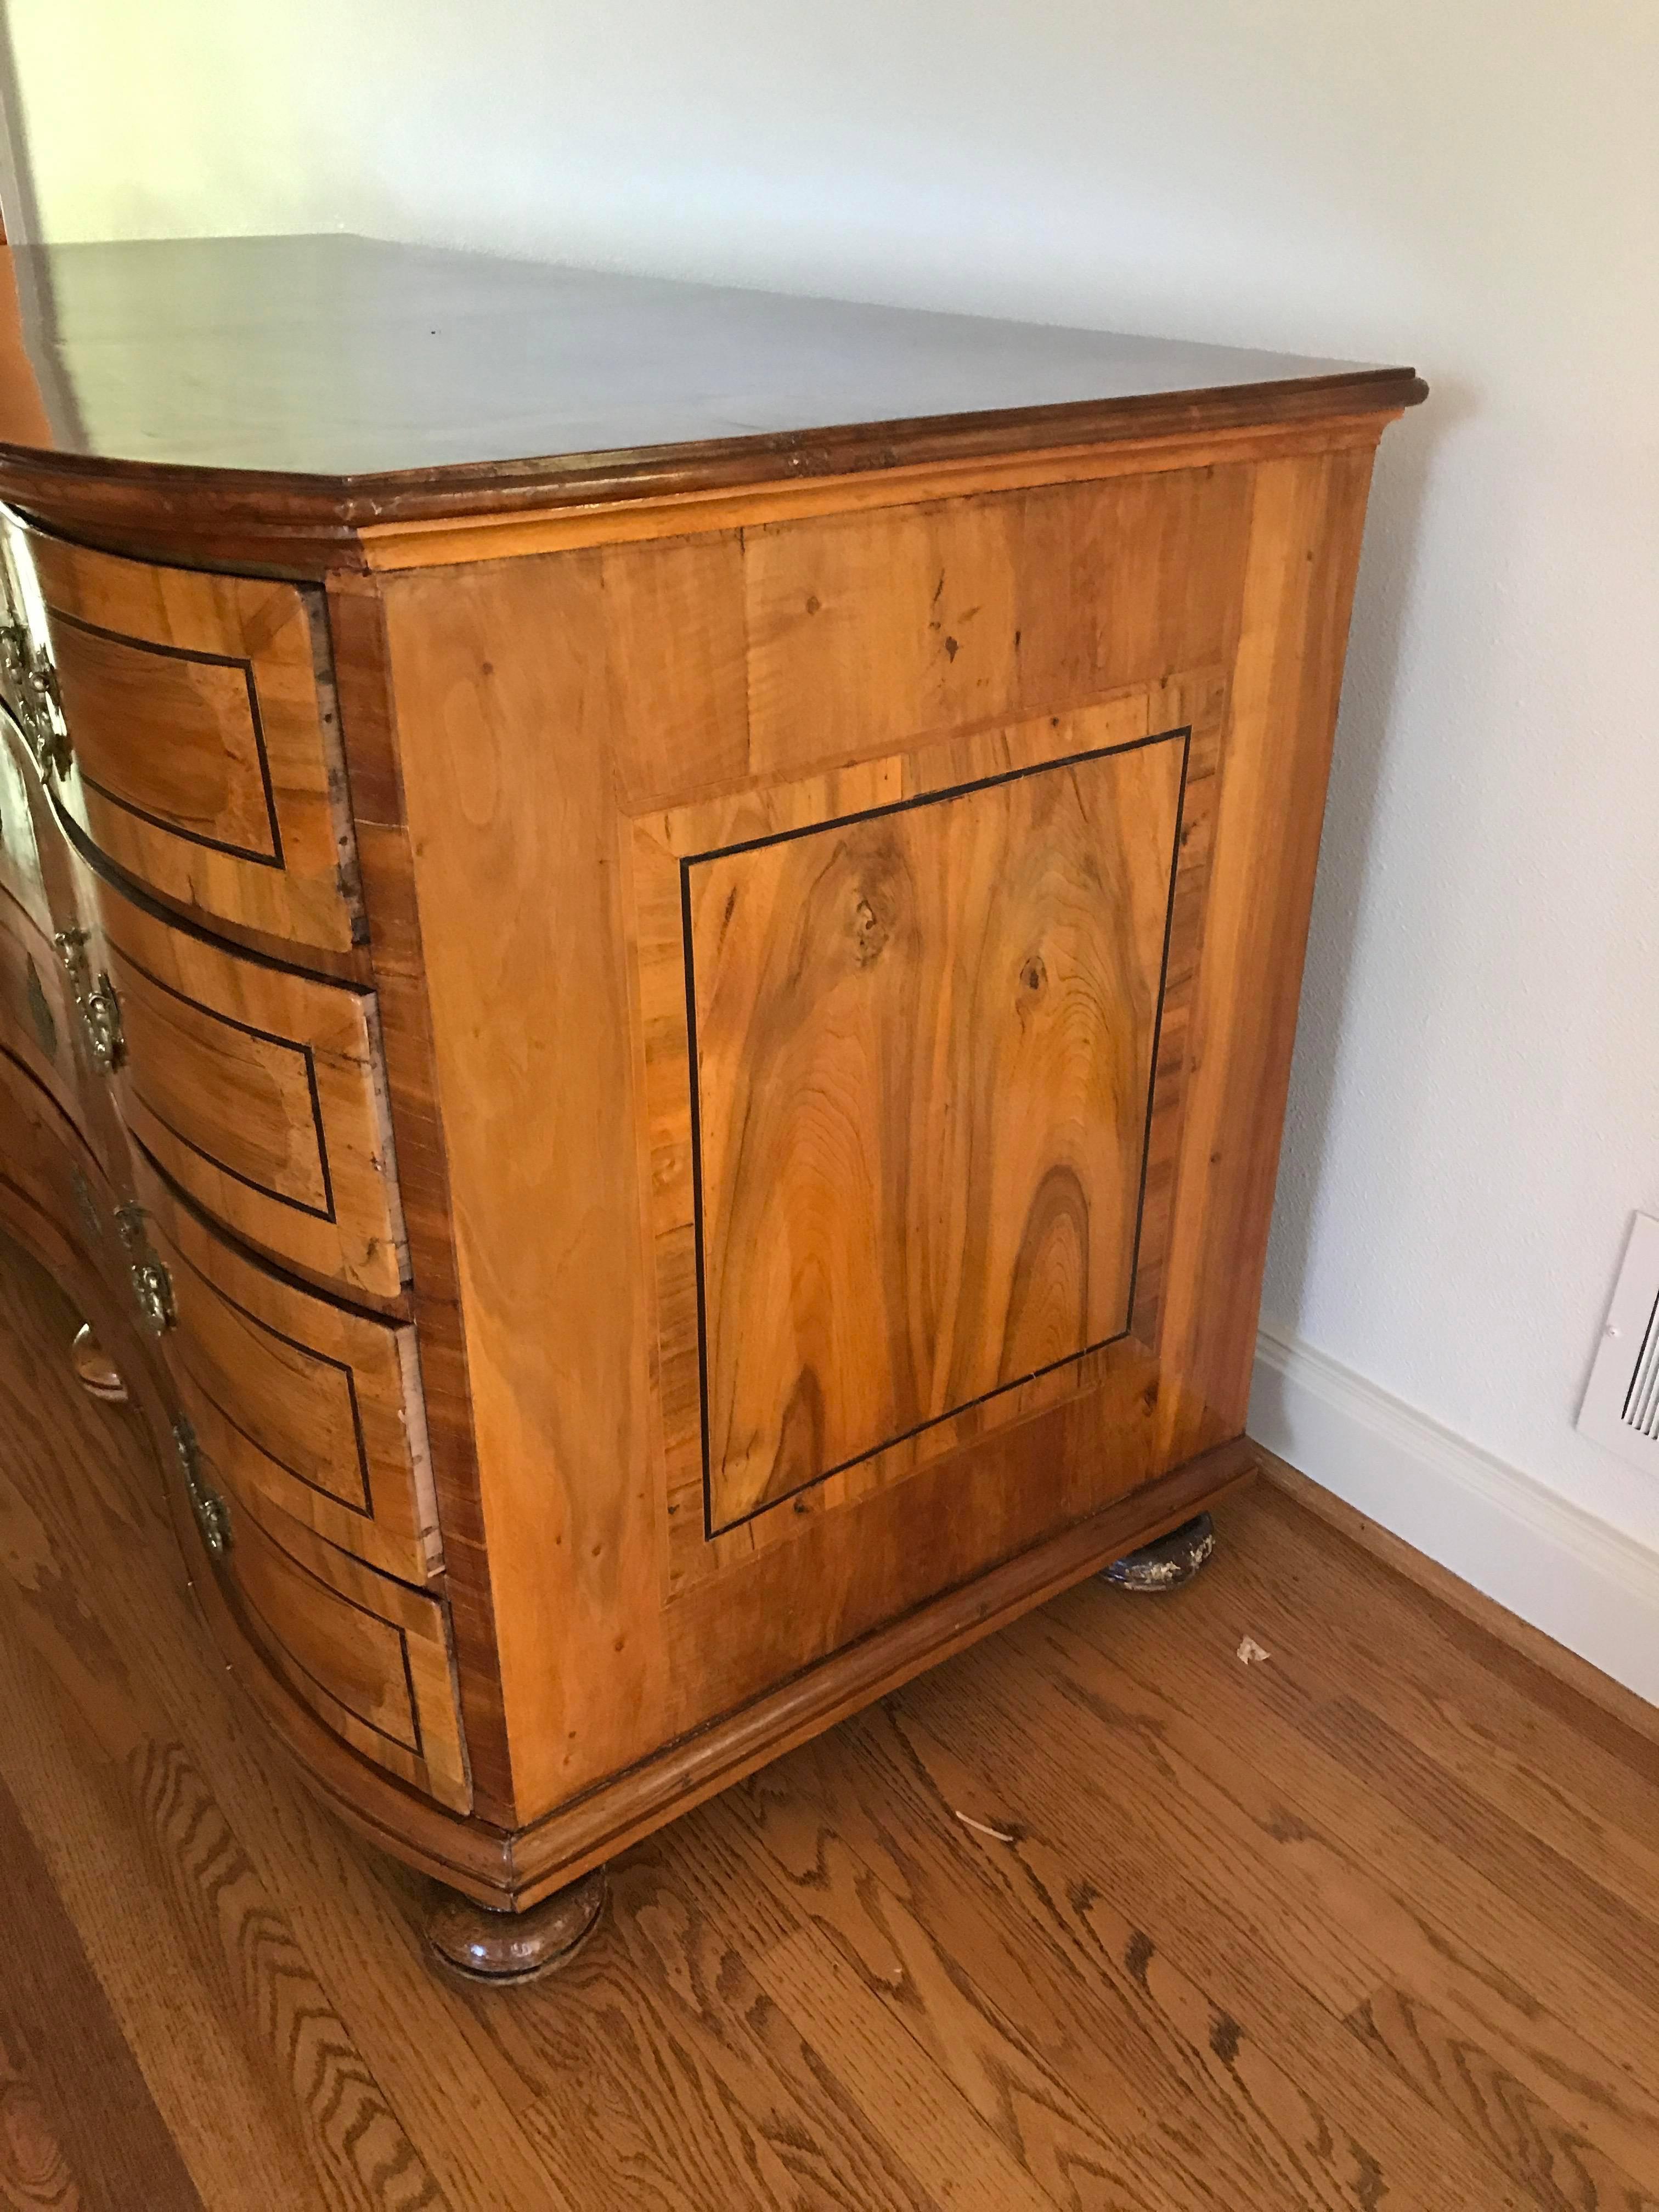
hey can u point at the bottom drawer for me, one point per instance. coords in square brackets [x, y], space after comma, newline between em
[369, 1656]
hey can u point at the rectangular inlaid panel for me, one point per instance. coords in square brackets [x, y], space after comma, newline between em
[909, 1132]
[923, 1047]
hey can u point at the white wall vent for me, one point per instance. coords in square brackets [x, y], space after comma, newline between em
[1621, 1403]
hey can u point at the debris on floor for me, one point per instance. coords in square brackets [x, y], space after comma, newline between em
[1250, 1653]
[997, 1835]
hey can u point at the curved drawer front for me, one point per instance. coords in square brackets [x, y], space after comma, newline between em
[258, 1092]
[200, 749]
[37, 1017]
[369, 1657]
[293, 1399]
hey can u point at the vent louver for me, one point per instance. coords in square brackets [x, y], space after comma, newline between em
[1642, 1399]
[1621, 1401]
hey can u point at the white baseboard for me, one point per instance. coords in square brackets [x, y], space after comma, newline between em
[1591, 1587]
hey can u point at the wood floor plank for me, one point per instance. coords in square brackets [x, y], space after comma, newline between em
[1555, 1683]
[1186, 1907]
[912, 2001]
[250, 2066]
[1562, 2169]
[1328, 2133]
[355, 1927]
[1177, 1838]
[1211, 1707]
[1024, 2024]
[1217, 2148]
[1607, 1932]
[35, 2174]
[1389, 1891]
[782, 2102]
[80, 2128]
[1348, 1627]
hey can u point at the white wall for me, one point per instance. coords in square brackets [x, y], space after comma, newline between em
[1476, 1101]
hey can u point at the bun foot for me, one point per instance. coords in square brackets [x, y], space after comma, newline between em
[488, 1946]
[95, 1371]
[1167, 1562]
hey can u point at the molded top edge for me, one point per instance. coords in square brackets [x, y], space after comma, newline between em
[343, 380]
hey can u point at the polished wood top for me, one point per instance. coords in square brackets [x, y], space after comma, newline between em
[375, 379]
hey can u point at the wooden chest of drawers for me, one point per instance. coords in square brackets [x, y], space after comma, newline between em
[647, 965]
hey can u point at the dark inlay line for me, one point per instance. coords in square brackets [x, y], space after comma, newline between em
[179, 916]
[56, 2018]
[223, 1167]
[1183, 731]
[265, 1451]
[307, 1352]
[213, 1014]
[331, 1291]
[307, 1058]
[904, 1436]
[357, 1606]
[288, 1656]
[148, 645]
[69, 1134]
[696, 1185]
[933, 797]
[274, 858]
[170, 828]
[1157, 1016]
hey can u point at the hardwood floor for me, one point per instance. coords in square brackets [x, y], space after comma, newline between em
[1094, 1916]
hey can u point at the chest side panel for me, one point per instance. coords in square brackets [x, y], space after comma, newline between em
[861, 1084]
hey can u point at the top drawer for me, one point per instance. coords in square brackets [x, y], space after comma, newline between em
[201, 756]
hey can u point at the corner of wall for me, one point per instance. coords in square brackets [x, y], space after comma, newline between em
[1591, 1587]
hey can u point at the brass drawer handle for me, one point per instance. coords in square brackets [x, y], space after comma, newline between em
[212, 1513]
[152, 1285]
[14, 655]
[100, 1008]
[28, 675]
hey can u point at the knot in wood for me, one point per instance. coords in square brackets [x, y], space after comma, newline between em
[869, 931]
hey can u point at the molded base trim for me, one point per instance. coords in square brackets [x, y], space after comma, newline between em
[1573, 1577]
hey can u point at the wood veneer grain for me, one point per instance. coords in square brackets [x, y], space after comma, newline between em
[200, 737]
[923, 1049]
[79, 2129]
[313, 1406]
[520, 839]
[368, 732]
[258, 1090]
